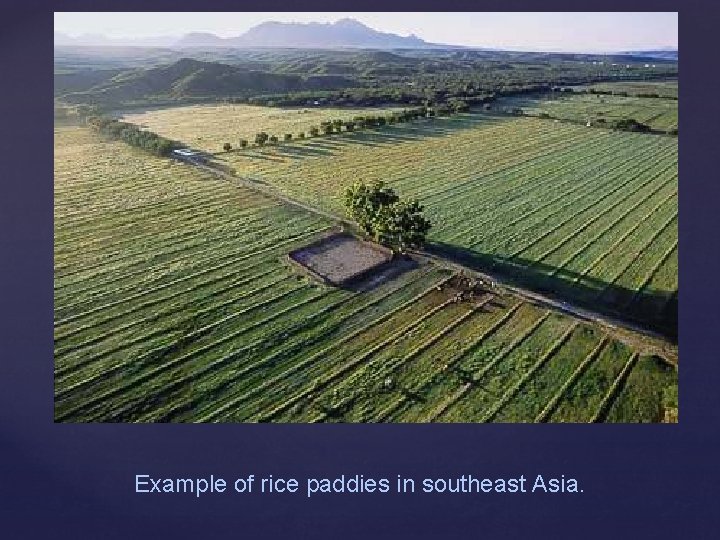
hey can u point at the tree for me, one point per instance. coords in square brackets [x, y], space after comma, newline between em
[301, 135]
[243, 143]
[227, 146]
[288, 136]
[314, 131]
[381, 214]
[273, 139]
[261, 138]
[363, 202]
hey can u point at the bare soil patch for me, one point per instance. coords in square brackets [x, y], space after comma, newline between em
[341, 259]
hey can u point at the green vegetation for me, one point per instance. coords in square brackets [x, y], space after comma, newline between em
[175, 299]
[360, 78]
[586, 215]
[660, 89]
[612, 110]
[132, 135]
[208, 127]
[173, 303]
[381, 214]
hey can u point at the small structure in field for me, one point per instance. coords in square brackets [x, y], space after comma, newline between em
[340, 259]
[186, 154]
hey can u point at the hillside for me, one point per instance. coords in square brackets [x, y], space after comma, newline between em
[194, 78]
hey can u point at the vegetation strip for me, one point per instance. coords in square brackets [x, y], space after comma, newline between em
[579, 370]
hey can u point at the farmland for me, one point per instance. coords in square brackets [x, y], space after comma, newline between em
[208, 127]
[667, 89]
[174, 300]
[586, 214]
[657, 113]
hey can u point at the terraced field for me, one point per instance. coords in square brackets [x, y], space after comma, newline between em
[173, 302]
[208, 127]
[587, 214]
[658, 113]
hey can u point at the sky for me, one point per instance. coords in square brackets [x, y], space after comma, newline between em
[582, 32]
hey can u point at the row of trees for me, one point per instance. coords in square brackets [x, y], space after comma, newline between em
[132, 135]
[328, 127]
[378, 210]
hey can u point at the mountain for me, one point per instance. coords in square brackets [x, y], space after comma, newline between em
[200, 39]
[668, 53]
[345, 33]
[190, 78]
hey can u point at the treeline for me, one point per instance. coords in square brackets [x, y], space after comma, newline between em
[436, 89]
[132, 135]
[329, 127]
[368, 97]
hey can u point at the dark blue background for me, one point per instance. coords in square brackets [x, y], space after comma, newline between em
[76, 481]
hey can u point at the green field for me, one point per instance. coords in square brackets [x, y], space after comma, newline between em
[173, 300]
[658, 113]
[589, 215]
[668, 89]
[208, 127]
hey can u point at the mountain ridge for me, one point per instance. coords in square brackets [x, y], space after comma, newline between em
[344, 33]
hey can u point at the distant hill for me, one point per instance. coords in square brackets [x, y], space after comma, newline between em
[345, 33]
[658, 54]
[189, 78]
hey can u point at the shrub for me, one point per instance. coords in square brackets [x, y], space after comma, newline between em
[261, 138]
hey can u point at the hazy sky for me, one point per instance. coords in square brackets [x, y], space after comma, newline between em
[536, 31]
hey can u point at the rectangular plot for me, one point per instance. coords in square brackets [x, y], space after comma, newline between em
[584, 397]
[535, 394]
[649, 393]
[491, 386]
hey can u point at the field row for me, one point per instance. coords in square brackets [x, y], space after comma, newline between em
[569, 208]
[204, 321]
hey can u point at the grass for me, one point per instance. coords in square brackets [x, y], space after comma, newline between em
[560, 208]
[231, 123]
[173, 303]
[659, 113]
[662, 88]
